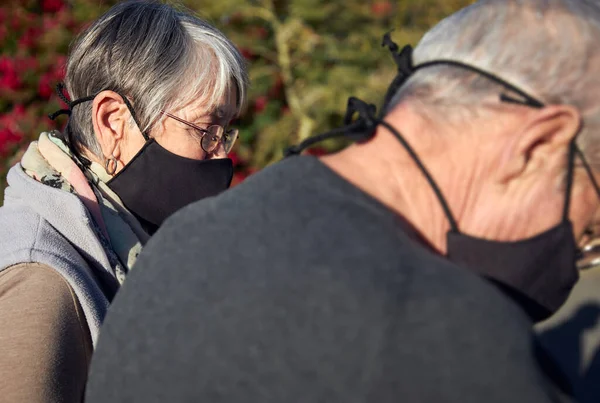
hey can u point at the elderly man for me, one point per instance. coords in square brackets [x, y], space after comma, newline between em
[408, 267]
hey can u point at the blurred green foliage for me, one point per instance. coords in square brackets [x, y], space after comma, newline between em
[306, 57]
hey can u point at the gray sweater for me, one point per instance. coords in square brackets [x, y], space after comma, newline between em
[40, 224]
[295, 286]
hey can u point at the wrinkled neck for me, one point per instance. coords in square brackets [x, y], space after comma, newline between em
[383, 168]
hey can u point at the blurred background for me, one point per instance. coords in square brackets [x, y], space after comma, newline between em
[306, 57]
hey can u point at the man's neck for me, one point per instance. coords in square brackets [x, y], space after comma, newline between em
[382, 168]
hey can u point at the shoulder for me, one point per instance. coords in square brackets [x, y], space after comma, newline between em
[246, 214]
[42, 292]
[389, 329]
[24, 276]
[572, 336]
[23, 230]
[26, 236]
[280, 183]
[44, 335]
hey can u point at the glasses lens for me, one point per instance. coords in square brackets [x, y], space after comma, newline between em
[590, 255]
[229, 139]
[211, 139]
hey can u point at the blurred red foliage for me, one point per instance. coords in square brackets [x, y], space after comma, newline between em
[34, 38]
[9, 78]
[260, 103]
[382, 8]
[52, 6]
[317, 151]
[10, 133]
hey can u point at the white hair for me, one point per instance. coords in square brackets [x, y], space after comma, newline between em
[547, 48]
[158, 57]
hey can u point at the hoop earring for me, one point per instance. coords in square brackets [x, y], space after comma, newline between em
[110, 166]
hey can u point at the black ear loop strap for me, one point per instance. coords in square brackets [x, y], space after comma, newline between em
[134, 116]
[588, 169]
[570, 178]
[403, 60]
[363, 128]
[60, 90]
[358, 130]
[425, 172]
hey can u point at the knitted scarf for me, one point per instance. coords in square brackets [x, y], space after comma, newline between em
[50, 162]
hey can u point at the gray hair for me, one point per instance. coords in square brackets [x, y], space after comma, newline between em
[547, 48]
[159, 57]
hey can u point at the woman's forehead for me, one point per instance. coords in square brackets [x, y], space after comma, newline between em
[224, 107]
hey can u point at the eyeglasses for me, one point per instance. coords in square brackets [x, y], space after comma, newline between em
[590, 247]
[590, 255]
[212, 135]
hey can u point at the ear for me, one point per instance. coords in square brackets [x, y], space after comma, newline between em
[545, 139]
[109, 116]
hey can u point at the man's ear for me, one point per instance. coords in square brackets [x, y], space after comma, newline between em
[109, 116]
[545, 139]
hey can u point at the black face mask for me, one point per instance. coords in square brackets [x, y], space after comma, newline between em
[156, 182]
[539, 272]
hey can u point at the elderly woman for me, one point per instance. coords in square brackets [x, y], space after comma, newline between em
[152, 91]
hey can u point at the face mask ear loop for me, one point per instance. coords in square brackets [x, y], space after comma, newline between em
[569, 184]
[356, 130]
[71, 104]
[588, 169]
[60, 88]
[309, 142]
[403, 60]
[528, 100]
[406, 68]
[133, 115]
[434, 186]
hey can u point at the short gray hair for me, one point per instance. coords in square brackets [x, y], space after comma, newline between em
[548, 48]
[159, 57]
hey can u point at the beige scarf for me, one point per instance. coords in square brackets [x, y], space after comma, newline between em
[49, 161]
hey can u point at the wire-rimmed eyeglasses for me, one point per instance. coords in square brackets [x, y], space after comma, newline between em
[212, 135]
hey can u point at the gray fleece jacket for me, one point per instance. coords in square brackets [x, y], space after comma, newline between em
[45, 225]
